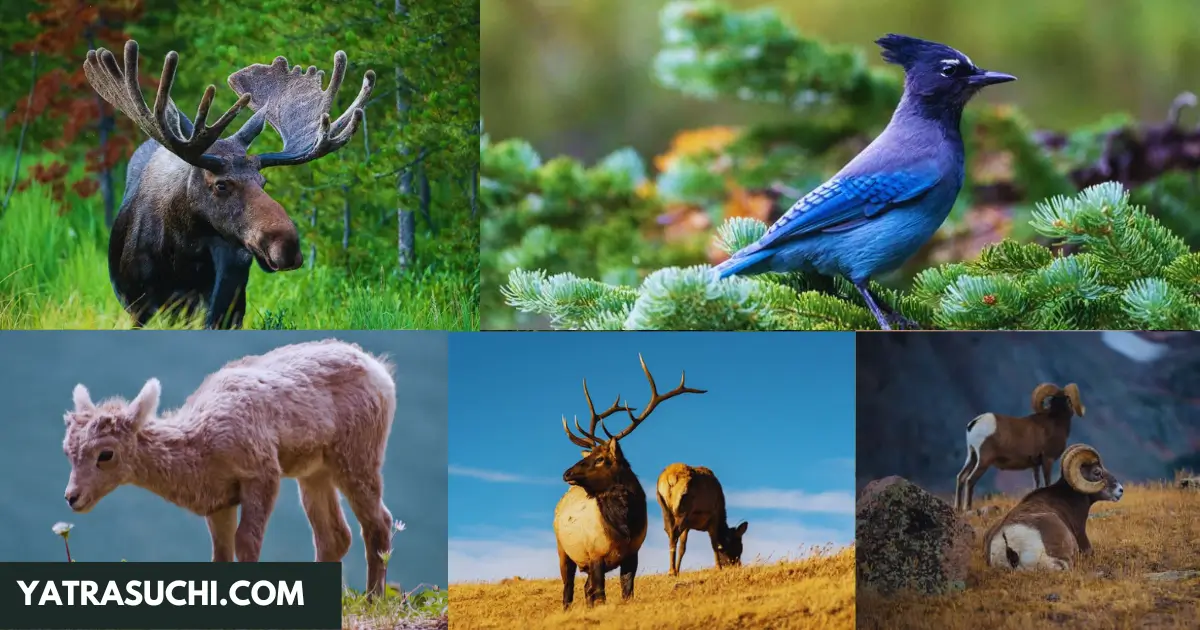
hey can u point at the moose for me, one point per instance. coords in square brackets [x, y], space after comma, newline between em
[600, 523]
[195, 216]
[692, 498]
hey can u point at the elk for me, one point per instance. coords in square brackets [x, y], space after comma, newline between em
[1048, 528]
[195, 216]
[1010, 443]
[320, 412]
[691, 498]
[600, 523]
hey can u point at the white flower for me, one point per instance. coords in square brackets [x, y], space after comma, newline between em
[399, 525]
[386, 556]
[62, 529]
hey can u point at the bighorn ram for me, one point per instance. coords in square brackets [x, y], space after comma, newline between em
[1049, 526]
[319, 412]
[194, 215]
[1011, 443]
[691, 498]
[600, 523]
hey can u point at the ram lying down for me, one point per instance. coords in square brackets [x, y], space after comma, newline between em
[1048, 528]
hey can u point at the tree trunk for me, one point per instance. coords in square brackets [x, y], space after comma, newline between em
[104, 127]
[12, 185]
[345, 218]
[406, 239]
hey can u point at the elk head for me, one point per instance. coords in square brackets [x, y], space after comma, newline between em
[729, 545]
[225, 187]
[603, 465]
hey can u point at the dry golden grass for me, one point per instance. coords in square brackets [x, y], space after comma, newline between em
[1154, 528]
[817, 592]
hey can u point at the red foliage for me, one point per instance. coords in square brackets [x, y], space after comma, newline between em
[67, 29]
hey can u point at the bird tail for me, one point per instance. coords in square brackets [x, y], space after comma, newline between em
[740, 263]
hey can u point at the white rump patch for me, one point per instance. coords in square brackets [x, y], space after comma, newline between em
[983, 428]
[1027, 543]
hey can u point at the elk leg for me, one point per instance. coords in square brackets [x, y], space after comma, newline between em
[628, 571]
[682, 548]
[566, 568]
[258, 501]
[331, 533]
[595, 584]
[222, 526]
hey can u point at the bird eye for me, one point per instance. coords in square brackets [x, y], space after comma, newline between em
[104, 456]
[949, 70]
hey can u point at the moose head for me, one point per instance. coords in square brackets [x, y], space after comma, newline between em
[224, 184]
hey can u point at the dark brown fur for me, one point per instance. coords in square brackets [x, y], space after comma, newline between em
[691, 497]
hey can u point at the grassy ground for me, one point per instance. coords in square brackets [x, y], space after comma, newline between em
[423, 610]
[817, 592]
[54, 275]
[1155, 528]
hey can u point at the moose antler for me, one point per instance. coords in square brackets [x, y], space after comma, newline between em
[296, 106]
[166, 124]
[655, 398]
[587, 439]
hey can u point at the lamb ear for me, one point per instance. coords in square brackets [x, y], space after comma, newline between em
[83, 400]
[146, 403]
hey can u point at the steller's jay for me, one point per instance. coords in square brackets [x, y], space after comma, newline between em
[890, 199]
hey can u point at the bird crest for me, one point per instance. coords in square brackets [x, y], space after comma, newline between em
[906, 51]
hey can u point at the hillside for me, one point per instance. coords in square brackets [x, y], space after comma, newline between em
[814, 593]
[1152, 530]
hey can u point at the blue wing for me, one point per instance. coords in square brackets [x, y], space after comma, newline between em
[846, 202]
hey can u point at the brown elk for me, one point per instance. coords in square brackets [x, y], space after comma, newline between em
[600, 523]
[195, 215]
[691, 498]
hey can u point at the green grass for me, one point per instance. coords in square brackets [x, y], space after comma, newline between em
[423, 607]
[54, 275]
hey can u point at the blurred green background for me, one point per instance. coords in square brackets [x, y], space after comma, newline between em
[574, 76]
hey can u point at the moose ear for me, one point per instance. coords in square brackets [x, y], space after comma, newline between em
[741, 529]
[83, 400]
[146, 403]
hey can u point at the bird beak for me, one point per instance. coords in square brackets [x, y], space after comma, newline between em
[987, 77]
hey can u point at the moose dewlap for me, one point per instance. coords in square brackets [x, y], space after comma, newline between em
[320, 412]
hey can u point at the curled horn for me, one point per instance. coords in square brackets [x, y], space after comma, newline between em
[1072, 392]
[1073, 460]
[1040, 395]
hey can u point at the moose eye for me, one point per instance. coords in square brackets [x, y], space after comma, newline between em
[104, 456]
[222, 187]
[950, 70]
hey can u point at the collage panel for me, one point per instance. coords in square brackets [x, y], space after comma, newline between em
[141, 447]
[167, 165]
[757, 471]
[833, 165]
[1016, 480]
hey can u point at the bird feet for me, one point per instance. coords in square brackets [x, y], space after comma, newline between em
[900, 322]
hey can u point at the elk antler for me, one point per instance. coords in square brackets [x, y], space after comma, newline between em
[166, 124]
[296, 106]
[655, 398]
[589, 439]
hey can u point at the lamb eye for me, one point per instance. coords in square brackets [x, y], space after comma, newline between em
[949, 70]
[104, 456]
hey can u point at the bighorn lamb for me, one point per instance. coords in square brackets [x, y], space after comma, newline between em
[691, 498]
[600, 523]
[1049, 526]
[195, 215]
[1009, 443]
[319, 412]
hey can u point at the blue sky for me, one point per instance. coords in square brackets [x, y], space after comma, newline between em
[776, 426]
